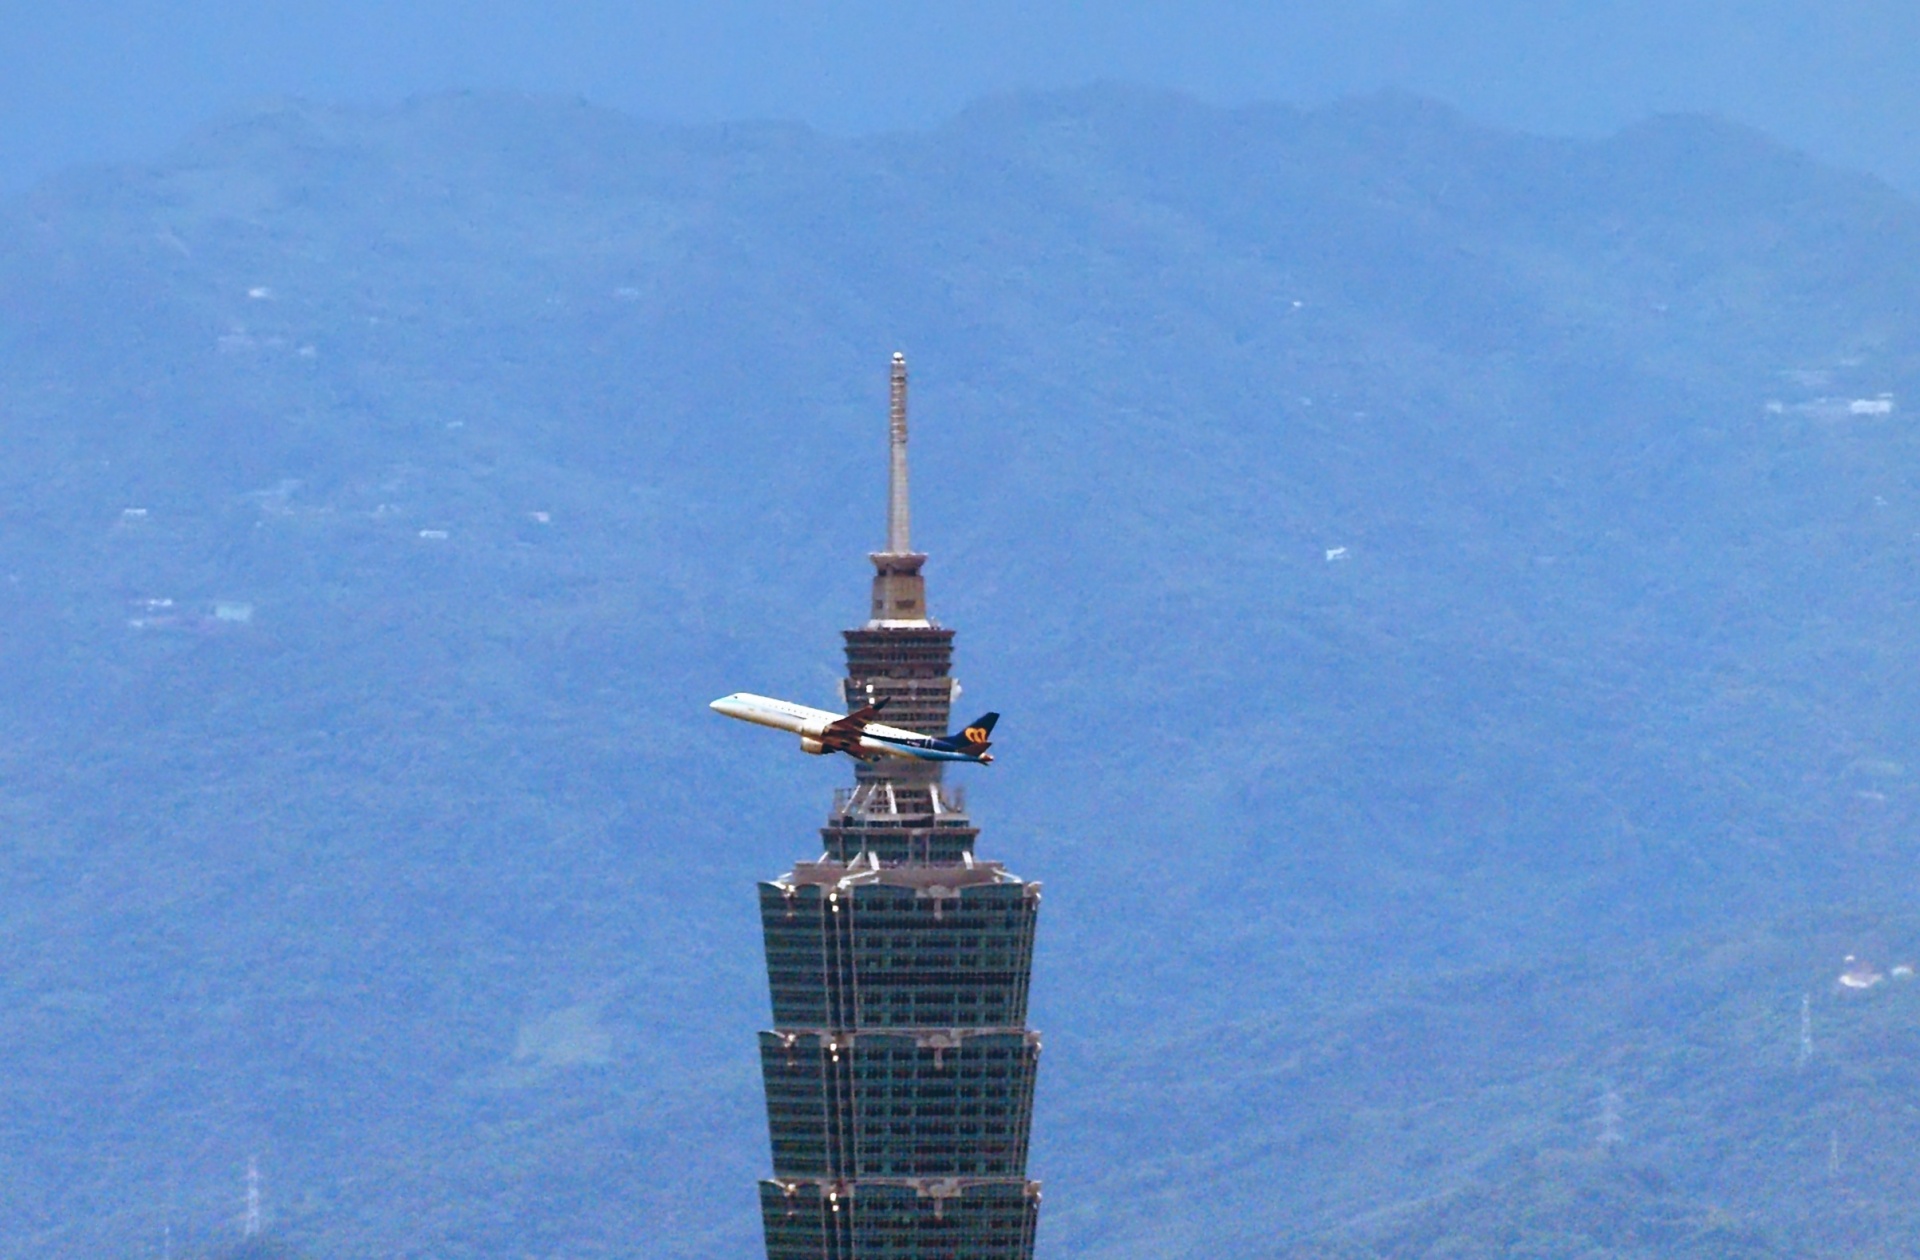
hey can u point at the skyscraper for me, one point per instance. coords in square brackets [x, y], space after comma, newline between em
[899, 1071]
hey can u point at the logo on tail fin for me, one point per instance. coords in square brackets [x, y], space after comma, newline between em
[975, 738]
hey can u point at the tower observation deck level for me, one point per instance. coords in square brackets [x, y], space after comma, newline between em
[900, 1070]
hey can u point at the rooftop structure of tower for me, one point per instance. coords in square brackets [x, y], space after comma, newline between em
[899, 1070]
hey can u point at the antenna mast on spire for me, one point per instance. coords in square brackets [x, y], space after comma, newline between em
[898, 516]
[899, 592]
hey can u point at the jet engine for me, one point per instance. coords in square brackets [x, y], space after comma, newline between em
[810, 745]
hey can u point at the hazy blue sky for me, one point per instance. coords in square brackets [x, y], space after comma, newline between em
[115, 79]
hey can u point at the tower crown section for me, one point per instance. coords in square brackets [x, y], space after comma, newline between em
[900, 1070]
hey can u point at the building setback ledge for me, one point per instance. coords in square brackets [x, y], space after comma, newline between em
[925, 1187]
[939, 1189]
[970, 1197]
[942, 882]
[934, 1039]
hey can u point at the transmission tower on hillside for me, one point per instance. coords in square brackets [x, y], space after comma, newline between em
[250, 1226]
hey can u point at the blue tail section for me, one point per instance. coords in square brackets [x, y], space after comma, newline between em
[974, 738]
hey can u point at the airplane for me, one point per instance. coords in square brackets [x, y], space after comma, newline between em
[857, 734]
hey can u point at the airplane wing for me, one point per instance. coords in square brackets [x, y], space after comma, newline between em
[844, 735]
[856, 721]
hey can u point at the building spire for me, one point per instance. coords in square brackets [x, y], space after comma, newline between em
[898, 518]
[899, 592]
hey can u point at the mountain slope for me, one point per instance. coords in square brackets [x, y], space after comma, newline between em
[1414, 561]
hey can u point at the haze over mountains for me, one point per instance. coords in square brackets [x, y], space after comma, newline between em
[1451, 595]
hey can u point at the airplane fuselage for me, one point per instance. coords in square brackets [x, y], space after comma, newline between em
[818, 734]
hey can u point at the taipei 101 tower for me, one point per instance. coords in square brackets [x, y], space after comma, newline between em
[900, 1070]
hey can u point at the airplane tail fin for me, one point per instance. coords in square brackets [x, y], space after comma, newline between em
[976, 736]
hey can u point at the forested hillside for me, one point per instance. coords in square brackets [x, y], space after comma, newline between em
[1451, 594]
